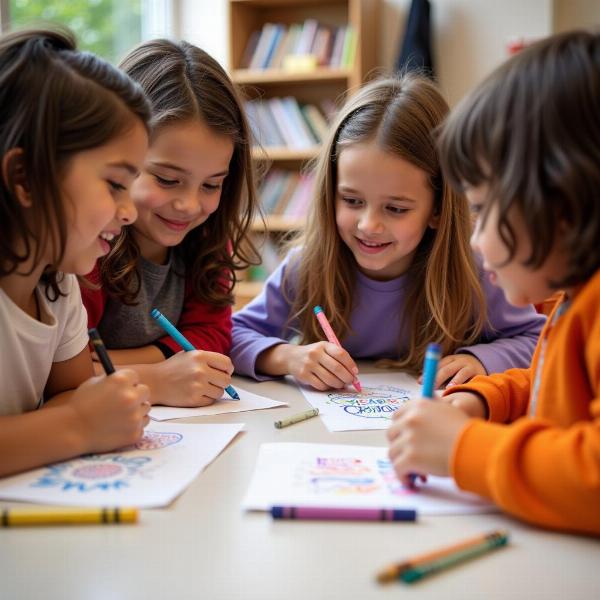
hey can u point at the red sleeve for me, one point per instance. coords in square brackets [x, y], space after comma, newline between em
[205, 326]
[94, 300]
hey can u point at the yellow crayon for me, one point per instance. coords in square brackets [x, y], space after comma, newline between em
[24, 517]
[307, 414]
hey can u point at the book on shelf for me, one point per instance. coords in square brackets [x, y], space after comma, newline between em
[270, 47]
[286, 193]
[277, 122]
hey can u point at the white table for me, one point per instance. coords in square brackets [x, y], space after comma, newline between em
[204, 546]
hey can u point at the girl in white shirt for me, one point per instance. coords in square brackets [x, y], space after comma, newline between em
[73, 135]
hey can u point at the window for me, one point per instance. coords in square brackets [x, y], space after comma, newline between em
[109, 28]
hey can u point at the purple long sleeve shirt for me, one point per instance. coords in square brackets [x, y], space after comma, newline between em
[508, 339]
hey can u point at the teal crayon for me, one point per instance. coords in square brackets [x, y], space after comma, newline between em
[490, 542]
[183, 341]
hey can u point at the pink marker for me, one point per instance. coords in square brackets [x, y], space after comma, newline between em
[343, 514]
[332, 338]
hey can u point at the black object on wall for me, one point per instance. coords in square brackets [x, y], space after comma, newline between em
[415, 54]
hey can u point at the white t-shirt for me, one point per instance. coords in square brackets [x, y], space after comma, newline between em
[29, 347]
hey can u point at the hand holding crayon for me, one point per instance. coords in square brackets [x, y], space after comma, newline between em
[331, 337]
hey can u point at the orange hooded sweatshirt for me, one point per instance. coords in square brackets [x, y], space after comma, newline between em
[543, 468]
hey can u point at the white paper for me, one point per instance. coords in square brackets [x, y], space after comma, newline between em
[340, 476]
[148, 475]
[247, 401]
[347, 410]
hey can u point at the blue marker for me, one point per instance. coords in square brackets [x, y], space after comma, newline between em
[430, 365]
[182, 341]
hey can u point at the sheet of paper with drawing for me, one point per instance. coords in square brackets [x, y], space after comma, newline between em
[348, 410]
[148, 475]
[340, 476]
[247, 401]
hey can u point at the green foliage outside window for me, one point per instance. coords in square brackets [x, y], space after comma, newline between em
[106, 27]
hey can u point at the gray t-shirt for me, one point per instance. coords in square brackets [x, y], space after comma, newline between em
[162, 287]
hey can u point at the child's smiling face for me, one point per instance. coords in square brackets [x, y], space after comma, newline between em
[96, 188]
[180, 185]
[383, 206]
[521, 284]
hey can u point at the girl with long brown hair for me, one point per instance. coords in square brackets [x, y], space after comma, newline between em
[386, 255]
[195, 199]
[73, 135]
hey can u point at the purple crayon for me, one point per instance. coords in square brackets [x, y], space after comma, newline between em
[343, 514]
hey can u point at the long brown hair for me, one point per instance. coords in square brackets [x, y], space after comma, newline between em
[444, 302]
[183, 82]
[531, 133]
[54, 102]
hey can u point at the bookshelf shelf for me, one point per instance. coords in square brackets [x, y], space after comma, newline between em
[294, 60]
[281, 153]
[278, 223]
[279, 76]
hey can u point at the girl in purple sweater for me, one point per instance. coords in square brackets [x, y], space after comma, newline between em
[386, 255]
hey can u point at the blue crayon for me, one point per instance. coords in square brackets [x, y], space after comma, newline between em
[432, 358]
[182, 341]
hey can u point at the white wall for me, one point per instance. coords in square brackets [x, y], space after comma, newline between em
[470, 36]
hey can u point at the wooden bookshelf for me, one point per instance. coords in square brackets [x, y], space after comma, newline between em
[279, 76]
[278, 223]
[306, 85]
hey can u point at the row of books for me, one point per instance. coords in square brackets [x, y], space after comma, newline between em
[277, 46]
[285, 122]
[286, 193]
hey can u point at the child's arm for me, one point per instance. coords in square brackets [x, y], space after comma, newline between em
[261, 324]
[101, 414]
[261, 347]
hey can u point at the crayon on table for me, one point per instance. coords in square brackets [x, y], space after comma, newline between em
[24, 517]
[101, 351]
[331, 337]
[343, 514]
[183, 341]
[494, 540]
[432, 358]
[393, 572]
[297, 418]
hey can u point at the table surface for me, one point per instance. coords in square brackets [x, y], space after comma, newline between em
[204, 546]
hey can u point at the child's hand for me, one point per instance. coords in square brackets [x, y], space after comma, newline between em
[111, 412]
[422, 436]
[322, 365]
[457, 368]
[470, 403]
[189, 379]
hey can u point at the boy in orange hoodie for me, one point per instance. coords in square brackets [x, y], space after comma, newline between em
[525, 149]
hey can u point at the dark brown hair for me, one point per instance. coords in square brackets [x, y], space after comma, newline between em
[54, 102]
[444, 301]
[183, 82]
[531, 133]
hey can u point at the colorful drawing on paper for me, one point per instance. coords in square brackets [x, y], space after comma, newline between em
[348, 410]
[106, 471]
[348, 476]
[345, 476]
[379, 402]
[147, 474]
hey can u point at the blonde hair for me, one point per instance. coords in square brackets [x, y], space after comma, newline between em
[444, 302]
